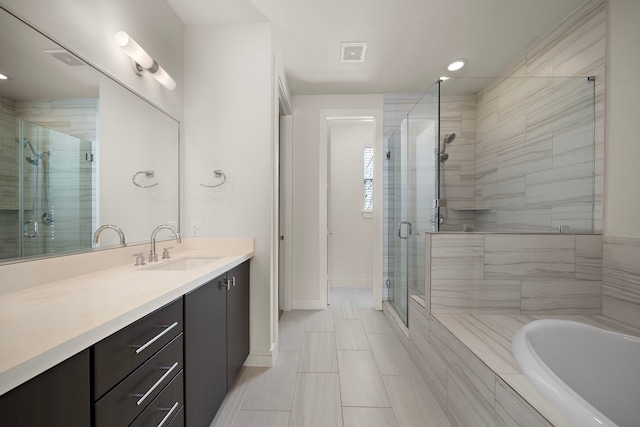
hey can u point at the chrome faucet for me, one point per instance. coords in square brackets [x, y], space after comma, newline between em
[96, 235]
[153, 256]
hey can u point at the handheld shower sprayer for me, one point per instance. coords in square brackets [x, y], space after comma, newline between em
[448, 139]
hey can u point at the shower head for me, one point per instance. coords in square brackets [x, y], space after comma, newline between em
[448, 139]
[33, 160]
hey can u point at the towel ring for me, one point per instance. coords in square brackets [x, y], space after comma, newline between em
[218, 174]
[148, 174]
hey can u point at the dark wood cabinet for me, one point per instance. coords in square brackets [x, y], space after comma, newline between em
[237, 320]
[216, 342]
[59, 397]
[172, 367]
[205, 318]
[118, 355]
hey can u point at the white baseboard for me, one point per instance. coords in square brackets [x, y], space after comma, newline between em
[337, 283]
[307, 305]
[262, 358]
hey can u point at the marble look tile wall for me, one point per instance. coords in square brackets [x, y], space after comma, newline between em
[621, 279]
[515, 274]
[470, 392]
[534, 146]
[458, 115]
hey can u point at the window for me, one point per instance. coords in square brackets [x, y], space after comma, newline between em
[367, 205]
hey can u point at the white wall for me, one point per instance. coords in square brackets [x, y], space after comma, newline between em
[229, 113]
[622, 202]
[309, 112]
[87, 28]
[351, 241]
[144, 139]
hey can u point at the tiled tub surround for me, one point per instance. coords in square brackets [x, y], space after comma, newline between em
[621, 279]
[466, 359]
[53, 308]
[514, 273]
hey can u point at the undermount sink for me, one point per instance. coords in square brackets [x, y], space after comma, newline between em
[182, 264]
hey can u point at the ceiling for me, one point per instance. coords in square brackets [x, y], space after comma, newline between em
[410, 41]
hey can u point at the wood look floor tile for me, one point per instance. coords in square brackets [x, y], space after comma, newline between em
[273, 389]
[316, 401]
[318, 352]
[369, 417]
[360, 382]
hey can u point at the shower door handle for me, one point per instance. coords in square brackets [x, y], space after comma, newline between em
[408, 236]
[33, 224]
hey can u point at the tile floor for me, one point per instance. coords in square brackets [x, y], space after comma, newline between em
[339, 367]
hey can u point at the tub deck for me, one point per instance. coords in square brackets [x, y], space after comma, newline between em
[488, 336]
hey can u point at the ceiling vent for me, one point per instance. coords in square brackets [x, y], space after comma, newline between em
[353, 52]
[65, 56]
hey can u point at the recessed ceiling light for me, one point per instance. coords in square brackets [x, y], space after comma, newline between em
[353, 52]
[3, 77]
[457, 64]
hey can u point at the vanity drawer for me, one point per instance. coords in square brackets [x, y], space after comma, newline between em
[127, 400]
[178, 420]
[118, 355]
[164, 408]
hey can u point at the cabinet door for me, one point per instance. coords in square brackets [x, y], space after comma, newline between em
[205, 332]
[237, 320]
[59, 397]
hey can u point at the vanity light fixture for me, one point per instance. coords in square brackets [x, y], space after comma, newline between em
[143, 63]
[457, 64]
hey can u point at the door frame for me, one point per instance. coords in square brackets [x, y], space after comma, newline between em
[323, 214]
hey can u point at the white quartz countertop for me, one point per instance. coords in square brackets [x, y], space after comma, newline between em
[41, 326]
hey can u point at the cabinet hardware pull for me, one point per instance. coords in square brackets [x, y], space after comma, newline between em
[233, 280]
[153, 387]
[166, 417]
[226, 284]
[156, 338]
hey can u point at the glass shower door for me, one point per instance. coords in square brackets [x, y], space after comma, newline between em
[423, 183]
[57, 196]
[399, 228]
[413, 187]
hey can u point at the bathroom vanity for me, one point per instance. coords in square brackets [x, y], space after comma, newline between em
[161, 343]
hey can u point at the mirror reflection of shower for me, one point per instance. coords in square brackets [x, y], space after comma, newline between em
[444, 156]
[30, 227]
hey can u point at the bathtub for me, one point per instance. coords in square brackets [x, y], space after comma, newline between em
[591, 374]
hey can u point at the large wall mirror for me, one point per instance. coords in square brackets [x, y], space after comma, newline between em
[78, 150]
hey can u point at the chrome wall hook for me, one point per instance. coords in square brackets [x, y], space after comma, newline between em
[218, 174]
[148, 174]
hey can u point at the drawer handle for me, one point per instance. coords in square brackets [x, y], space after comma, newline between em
[156, 338]
[166, 417]
[153, 387]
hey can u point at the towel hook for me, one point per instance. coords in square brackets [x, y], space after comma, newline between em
[218, 174]
[148, 174]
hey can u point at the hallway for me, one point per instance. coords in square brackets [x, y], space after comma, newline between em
[342, 366]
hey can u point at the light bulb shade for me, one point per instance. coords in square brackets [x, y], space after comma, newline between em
[134, 50]
[164, 78]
